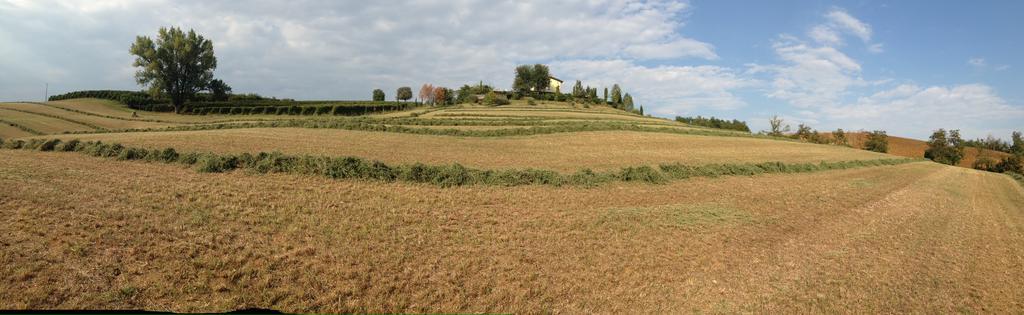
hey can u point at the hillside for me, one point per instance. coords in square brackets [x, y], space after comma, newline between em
[474, 209]
[915, 148]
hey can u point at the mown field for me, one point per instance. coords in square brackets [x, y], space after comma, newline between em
[123, 232]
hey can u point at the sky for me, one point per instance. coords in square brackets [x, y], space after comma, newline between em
[907, 67]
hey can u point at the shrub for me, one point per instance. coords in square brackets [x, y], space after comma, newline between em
[495, 99]
[132, 154]
[70, 145]
[712, 122]
[49, 145]
[985, 163]
[877, 141]
[325, 109]
[945, 149]
[309, 110]
[641, 173]
[212, 163]
[168, 155]
[1010, 164]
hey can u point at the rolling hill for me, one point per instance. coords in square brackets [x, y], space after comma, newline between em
[511, 209]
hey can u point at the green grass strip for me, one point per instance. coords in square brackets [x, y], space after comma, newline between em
[440, 175]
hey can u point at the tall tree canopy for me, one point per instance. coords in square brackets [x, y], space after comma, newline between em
[403, 93]
[532, 78]
[378, 95]
[177, 64]
[616, 95]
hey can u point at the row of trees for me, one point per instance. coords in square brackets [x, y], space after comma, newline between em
[877, 141]
[1015, 146]
[947, 147]
[712, 122]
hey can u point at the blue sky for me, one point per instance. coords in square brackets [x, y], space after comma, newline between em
[907, 67]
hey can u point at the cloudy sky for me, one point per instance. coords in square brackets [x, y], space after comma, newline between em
[904, 66]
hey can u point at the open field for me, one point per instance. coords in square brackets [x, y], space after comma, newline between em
[562, 151]
[42, 124]
[83, 232]
[915, 148]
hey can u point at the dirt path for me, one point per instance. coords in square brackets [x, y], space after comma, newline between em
[82, 232]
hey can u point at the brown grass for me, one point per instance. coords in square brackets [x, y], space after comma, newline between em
[87, 233]
[106, 123]
[8, 131]
[43, 124]
[561, 152]
[915, 148]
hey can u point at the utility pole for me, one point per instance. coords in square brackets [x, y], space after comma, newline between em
[46, 94]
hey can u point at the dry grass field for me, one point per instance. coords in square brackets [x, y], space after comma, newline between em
[82, 232]
[40, 123]
[562, 151]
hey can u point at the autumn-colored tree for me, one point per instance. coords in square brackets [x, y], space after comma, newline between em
[427, 93]
[439, 95]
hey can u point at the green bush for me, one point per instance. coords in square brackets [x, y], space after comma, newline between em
[49, 145]
[877, 141]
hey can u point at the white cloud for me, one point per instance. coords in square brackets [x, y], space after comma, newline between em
[825, 35]
[813, 76]
[326, 49]
[915, 111]
[977, 62]
[844, 21]
[675, 90]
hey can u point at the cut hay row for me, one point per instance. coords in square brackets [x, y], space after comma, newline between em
[20, 127]
[441, 175]
[566, 152]
[90, 125]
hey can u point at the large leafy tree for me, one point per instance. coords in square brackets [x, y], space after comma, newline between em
[535, 78]
[177, 64]
[378, 95]
[945, 148]
[404, 93]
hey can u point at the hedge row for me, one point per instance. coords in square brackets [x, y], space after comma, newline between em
[338, 110]
[134, 100]
[289, 103]
[440, 175]
[19, 126]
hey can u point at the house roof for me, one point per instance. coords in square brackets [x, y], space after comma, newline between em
[554, 78]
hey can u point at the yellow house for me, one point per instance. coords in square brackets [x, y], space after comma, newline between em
[554, 84]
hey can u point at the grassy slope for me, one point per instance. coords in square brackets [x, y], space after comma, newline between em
[563, 152]
[41, 123]
[83, 232]
[915, 148]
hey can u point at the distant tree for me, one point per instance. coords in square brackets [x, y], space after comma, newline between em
[541, 77]
[577, 90]
[627, 102]
[494, 99]
[178, 64]
[606, 95]
[427, 93]
[945, 148]
[440, 95]
[219, 89]
[713, 122]
[877, 141]
[641, 110]
[403, 93]
[1018, 143]
[616, 95]
[778, 129]
[839, 137]
[1011, 164]
[468, 93]
[524, 79]
[984, 162]
[378, 95]
[558, 94]
[803, 132]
